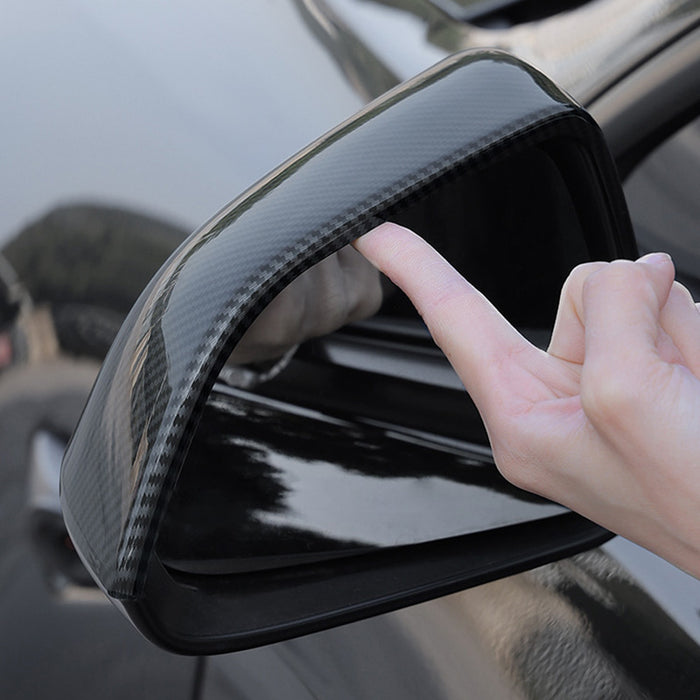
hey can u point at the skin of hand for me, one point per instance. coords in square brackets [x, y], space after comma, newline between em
[607, 421]
[338, 290]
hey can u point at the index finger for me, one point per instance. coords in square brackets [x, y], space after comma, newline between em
[474, 336]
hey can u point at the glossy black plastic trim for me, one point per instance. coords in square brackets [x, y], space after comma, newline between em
[193, 614]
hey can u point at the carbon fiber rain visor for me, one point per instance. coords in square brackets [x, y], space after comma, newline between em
[126, 453]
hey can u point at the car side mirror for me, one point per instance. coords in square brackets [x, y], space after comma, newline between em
[471, 114]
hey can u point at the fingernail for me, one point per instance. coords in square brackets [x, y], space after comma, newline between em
[655, 259]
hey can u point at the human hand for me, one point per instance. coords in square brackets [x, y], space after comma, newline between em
[607, 421]
[338, 290]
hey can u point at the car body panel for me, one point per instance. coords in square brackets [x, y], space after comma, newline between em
[172, 115]
[108, 109]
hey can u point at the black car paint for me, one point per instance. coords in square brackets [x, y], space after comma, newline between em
[583, 626]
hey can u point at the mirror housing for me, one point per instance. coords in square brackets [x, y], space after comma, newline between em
[125, 457]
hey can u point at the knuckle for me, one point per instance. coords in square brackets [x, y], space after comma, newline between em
[609, 395]
[619, 276]
[583, 271]
[578, 276]
[571, 290]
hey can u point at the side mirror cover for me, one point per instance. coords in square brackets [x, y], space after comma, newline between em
[126, 453]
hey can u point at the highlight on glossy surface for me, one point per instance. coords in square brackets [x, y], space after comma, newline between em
[320, 487]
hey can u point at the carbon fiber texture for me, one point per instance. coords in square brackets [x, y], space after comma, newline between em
[126, 452]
